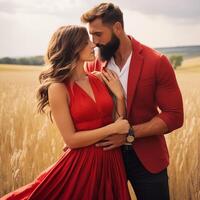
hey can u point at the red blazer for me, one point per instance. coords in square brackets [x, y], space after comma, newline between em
[151, 84]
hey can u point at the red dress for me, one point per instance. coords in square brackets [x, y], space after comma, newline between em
[87, 173]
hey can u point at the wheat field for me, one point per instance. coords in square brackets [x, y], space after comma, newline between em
[29, 143]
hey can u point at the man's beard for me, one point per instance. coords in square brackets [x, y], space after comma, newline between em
[108, 50]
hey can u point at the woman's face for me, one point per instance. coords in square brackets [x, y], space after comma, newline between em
[87, 54]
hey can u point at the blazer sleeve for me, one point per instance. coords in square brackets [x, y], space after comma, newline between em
[168, 95]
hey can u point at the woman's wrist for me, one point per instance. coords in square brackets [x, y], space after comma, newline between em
[111, 129]
[120, 98]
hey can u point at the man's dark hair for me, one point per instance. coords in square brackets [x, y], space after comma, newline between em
[107, 12]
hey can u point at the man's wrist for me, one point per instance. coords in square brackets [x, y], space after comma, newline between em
[133, 131]
[130, 137]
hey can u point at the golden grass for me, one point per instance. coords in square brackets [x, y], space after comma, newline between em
[29, 143]
[8, 67]
[190, 65]
[184, 144]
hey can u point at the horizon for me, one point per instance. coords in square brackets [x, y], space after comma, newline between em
[172, 47]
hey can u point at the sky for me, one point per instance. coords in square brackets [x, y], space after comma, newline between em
[27, 25]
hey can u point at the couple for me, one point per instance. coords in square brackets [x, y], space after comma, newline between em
[106, 113]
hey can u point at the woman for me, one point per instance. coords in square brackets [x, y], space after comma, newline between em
[83, 111]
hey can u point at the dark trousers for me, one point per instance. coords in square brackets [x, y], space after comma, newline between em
[147, 186]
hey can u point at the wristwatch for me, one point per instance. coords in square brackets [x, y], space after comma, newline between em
[130, 137]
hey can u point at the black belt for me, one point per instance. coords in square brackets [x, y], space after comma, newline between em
[127, 147]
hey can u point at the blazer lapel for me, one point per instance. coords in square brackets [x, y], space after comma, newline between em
[134, 73]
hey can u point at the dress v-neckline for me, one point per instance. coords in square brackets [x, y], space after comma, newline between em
[94, 100]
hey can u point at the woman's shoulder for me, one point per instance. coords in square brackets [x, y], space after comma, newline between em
[57, 90]
[57, 86]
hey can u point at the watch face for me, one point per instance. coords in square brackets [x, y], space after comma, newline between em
[130, 138]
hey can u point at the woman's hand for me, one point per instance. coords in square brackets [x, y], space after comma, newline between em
[112, 81]
[121, 126]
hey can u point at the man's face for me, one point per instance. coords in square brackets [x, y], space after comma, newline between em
[104, 38]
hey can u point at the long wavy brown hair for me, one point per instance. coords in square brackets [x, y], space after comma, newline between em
[61, 58]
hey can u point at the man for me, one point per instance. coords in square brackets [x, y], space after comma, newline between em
[149, 83]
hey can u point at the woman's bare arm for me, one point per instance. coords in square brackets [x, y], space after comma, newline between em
[58, 101]
[112, 81]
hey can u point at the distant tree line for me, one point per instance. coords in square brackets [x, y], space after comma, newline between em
[36, 60]
[176, 60]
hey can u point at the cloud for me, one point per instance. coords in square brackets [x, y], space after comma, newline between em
[27, 25]
[184, 9]
[47, 7]
[7, 6]
[159, 31]
[181, 9]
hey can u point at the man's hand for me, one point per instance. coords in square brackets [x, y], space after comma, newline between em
[112, 142]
